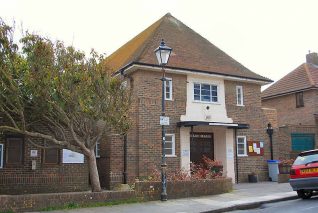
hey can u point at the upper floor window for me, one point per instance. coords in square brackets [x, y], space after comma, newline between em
[239, 96]
[97, 150]
[1, 156]
[299, 99]
[170, 145]
[205, 92]
[168, 89]
[241, 146]
[14, 150]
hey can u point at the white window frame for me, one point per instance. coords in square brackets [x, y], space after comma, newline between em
[1, 156]
[97, 150]
[245, 146]
[211, 102]
[173, 146]
[241, 96]
[169, 80]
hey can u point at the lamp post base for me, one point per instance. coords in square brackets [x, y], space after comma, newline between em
[163, 197]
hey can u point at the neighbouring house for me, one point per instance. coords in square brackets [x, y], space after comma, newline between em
[213, 101]
[295, 97]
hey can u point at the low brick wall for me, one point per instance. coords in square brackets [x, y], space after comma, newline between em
[31, 202]
[143, 191]
[283, 178]
[181, 189]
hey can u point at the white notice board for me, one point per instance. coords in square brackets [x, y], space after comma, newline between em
[72, 157]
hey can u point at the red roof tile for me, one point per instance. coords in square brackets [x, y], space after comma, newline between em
[190, 51]
[303, 77]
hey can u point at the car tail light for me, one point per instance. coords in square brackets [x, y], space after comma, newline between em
[292, 172]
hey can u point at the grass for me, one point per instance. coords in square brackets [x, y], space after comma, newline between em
[90, 205]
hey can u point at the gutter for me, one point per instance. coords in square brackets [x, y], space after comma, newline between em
[127, 67]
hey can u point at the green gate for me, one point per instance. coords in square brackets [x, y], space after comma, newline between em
[302, 142]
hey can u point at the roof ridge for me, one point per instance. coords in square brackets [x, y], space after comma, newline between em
[309, 75]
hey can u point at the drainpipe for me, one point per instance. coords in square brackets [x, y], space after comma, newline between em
[125, 159]
[236, 162]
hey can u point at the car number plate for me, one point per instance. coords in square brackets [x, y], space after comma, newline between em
[309, 171]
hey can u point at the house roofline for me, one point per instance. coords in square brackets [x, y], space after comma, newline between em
[289, 92]
[131, 65]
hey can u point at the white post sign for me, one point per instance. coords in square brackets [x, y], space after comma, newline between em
[164, 121]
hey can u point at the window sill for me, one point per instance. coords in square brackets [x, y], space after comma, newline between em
[242, 155]
[206, 102]
[171, 156]
[240, 105]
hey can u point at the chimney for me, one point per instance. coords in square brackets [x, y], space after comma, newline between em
[312, 58]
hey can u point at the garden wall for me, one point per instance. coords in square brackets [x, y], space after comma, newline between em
[31, 202]
[180, 189]
[143, 191]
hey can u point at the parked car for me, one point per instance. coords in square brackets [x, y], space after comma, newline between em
[304, 174]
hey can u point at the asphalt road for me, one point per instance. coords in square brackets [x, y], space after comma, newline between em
[297, 206]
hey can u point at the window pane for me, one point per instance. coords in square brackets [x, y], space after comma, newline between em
[168, 91]
[51, 156]
[168, 145]
[196, 92]
[14, 150]
[168, 138]
[214, 99]
[168, 151]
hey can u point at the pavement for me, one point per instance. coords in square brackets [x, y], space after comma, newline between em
[244, 196]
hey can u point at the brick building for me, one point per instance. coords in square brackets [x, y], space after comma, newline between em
[26, 168]
[295, 97]
[214, 105]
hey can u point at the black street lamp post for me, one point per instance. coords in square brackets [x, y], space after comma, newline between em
[163, 53]
[270, 132]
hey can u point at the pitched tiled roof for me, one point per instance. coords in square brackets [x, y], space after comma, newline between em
[303, 77]
[190, 51]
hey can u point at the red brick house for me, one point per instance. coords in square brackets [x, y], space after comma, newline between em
[214, 105]
[295, 97]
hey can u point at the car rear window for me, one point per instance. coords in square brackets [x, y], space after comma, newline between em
[304, 159]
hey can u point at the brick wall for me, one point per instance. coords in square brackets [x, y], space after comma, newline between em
[33, 202]
[21, 179]
[257, 118]
[288, 113]
[144, 138]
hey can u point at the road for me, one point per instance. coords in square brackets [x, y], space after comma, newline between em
[297, 206]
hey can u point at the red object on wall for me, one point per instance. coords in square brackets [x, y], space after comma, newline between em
[251, 151]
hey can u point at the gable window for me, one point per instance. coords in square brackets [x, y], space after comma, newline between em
[239, 96]
[168, 89]
[14, 150]
[97, 150]
[299, 99]
[1, 156]
[205, 92]
[241, 146]
[170, 145]
[51, 156]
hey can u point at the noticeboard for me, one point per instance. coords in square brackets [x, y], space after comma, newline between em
[255, 148]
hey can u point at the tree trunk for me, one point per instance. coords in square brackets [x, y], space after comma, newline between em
[93, 172]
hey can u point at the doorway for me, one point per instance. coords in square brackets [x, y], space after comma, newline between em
[201, 144]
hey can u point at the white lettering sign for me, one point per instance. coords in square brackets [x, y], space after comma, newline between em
[72, 157]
